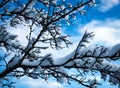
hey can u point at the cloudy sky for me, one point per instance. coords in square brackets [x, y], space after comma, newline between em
[104, 20]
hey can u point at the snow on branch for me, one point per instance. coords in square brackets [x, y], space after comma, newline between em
[8, 40]
[87, 59]
[50, 16]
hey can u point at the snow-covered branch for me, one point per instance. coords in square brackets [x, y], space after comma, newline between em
[86, 59]
[44, 20]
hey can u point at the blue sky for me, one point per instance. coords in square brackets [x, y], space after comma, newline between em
[104, 19]
[97, 13]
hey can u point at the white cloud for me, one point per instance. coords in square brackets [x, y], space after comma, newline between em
[106, 32]
[108, 4]
[37, 83]
[22, 32]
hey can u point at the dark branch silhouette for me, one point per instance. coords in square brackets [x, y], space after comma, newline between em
[50, 16]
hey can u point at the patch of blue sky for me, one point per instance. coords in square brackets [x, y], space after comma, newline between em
[2, 62]
[92, 14]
